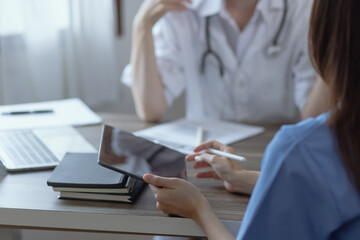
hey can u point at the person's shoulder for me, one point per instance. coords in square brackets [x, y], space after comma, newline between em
[297, 133]
[300, 9]
[302, 4]
[310, 144]
[291, 140]
[307, 129]
[316, 156]
[298, 5]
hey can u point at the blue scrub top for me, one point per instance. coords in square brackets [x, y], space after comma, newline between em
[303, 191]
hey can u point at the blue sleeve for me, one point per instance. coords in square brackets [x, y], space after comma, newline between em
[290, 199]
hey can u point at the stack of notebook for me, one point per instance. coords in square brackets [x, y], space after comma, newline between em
[78, 176]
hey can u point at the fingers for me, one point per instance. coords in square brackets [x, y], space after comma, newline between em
[172, 5]
[160, 203]
[215, 145]
[208, 174]
[201, 165]
[202, 159]
[152, 10]
[175, 2]
[154, 189]
[191, 157]
[160, 181]
[205, 145]
[206, 157]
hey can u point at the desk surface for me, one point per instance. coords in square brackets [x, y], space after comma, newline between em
[27, 202]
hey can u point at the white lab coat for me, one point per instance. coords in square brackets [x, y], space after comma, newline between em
[255, 87]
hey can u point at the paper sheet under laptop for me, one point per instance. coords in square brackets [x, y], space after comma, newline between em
[65, 112]
[181, 134]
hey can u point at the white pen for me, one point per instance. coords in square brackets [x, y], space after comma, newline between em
[200, 139]
[199, 135]
[225, 154]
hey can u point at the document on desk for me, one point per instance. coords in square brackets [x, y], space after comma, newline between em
[47, 114]
[181, 134]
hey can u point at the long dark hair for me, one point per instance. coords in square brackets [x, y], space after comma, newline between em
[334, 40]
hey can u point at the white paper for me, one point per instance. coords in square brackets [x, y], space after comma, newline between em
[181, 135]
[65, 112]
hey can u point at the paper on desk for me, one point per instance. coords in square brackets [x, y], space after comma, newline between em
[181, 134]
[66, 112]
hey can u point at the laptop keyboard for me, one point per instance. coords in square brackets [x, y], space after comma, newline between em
[23, 149]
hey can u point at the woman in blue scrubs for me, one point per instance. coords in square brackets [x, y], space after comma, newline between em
[309, 187]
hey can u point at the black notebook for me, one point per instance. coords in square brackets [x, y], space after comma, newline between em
[129, 197]
[126, 189]
[78, 176]
[80, 170]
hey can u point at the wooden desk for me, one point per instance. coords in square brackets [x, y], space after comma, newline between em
[27, 202]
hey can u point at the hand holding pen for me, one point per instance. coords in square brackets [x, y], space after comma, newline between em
[225, 166]
[200, 133]
[221, 167]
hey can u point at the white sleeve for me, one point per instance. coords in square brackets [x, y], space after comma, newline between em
[304, 77]
[303, 71]
[126, 75]
[168, 57]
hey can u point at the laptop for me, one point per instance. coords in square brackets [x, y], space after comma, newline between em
[43, 148]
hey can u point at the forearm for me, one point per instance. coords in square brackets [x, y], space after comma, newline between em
[211, 225]
[242, 181]
[147, 87]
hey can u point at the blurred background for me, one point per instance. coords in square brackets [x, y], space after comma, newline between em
[56, 49]
[59, 49]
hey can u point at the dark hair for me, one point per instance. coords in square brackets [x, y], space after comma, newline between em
[334, 43]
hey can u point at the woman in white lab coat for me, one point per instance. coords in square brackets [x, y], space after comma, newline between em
[257, 70]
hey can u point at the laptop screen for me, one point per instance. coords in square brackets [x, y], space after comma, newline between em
[134, 156]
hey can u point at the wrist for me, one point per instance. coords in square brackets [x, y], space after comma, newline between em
[202, 211]
[141, 24]
[243, 181]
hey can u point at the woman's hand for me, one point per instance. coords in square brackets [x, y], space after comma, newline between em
[177, 196]
[229, 171]
[152, 10]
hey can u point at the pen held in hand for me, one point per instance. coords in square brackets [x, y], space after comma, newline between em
[225, 154]
[199, 135]
[200, 138]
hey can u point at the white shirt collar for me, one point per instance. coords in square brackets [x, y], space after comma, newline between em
[211, 7]
[258, 9]
[207, 7]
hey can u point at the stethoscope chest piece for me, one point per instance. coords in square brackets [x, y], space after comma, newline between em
[273, 51]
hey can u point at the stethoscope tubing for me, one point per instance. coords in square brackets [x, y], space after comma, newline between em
[209, 51]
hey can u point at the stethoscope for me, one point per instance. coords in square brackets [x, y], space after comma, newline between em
[272, 51]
